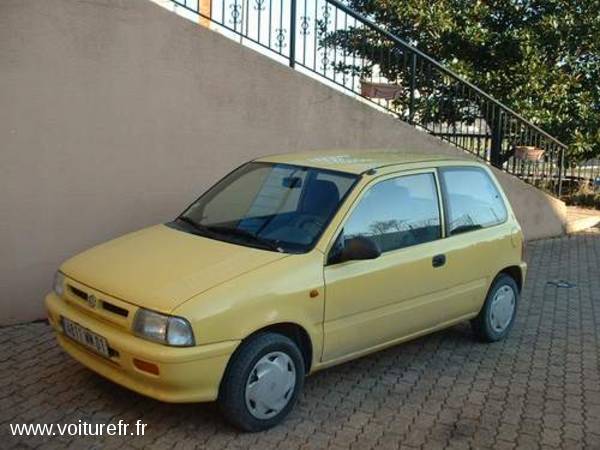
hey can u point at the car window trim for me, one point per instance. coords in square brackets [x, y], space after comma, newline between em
[446, 202]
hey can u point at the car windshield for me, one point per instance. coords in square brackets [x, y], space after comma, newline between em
[276, 207]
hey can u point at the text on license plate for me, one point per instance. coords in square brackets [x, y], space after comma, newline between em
[86, 337]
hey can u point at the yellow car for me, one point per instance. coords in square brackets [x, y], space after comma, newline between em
[288, 265]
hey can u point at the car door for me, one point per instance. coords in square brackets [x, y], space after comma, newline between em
[373, 302]
[478, 237]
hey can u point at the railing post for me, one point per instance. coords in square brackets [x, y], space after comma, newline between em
[292, 58]
[561, 165]
[413, 86]
[496, 150]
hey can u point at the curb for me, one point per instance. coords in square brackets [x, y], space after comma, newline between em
[582, 224]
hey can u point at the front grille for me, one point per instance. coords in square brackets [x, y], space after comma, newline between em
[114, 309]
[78, 292]
[104, 304]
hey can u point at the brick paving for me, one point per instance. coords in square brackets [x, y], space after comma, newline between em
[538, 389]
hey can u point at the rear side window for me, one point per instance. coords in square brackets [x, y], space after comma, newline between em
[397, 213]
[472, 200]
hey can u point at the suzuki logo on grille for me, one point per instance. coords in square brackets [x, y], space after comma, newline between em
[91, 300]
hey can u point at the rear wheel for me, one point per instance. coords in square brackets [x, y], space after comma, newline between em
[262, 382]
[497, 316]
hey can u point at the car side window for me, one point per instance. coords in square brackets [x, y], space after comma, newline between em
[472, 200]
[397, 213]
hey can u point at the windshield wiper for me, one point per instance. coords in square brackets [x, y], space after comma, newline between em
[216, 229]
[244, 234]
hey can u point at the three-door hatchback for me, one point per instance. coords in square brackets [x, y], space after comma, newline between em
[290, 264]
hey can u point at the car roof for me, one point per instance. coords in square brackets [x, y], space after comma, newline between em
[359, 161]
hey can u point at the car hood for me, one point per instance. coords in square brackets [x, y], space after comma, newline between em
[160, 267]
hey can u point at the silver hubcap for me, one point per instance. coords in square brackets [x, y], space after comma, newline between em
[502, 309]
[270, 385]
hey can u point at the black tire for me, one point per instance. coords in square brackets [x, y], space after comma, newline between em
[482, 324]
[232, 393]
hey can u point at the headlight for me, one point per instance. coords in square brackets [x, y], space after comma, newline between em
[169, 330]
[59, 284]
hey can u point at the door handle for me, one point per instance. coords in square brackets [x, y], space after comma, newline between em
[438, 260]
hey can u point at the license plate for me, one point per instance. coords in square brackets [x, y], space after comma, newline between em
[86, 337]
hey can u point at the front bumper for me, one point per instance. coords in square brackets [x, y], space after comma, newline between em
[190, 374]
[523, 267]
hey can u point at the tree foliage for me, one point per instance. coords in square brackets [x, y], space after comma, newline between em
[541, 58]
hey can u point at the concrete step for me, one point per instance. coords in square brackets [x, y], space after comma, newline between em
[579, 219]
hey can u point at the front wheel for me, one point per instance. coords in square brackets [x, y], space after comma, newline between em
[262, 382]
[497, 316]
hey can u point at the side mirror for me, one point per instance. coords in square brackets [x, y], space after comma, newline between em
[357, 248]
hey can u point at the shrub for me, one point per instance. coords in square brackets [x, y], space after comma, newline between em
[586, 195]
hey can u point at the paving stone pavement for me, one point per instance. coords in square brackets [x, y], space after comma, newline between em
[538, 389]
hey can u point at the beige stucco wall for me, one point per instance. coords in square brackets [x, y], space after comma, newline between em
[115, 114]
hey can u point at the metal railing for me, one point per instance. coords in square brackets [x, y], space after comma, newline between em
[347, 50]
[581, 175]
